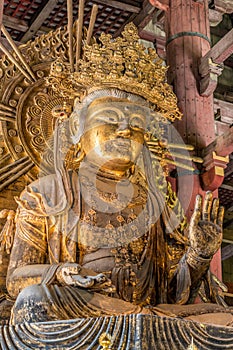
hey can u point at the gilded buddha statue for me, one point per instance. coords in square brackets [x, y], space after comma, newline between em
[98, 237]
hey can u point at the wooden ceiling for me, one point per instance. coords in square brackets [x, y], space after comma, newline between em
[25, 19]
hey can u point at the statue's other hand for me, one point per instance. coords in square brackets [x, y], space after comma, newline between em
[73, 274]
[96, 283]
[205, 230]
[65, 273]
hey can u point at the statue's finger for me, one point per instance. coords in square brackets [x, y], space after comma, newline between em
[197, 211]
[220, 216]
[207, 206]
[214, 210]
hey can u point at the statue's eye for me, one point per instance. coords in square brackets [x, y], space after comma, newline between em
[108, 117]
[112, 119]
[137, 121]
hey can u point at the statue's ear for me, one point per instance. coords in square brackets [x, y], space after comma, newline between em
[147, 136]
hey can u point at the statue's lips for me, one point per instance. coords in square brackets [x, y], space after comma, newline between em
[122, 145]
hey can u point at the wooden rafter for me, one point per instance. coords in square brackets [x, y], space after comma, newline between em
[224, 109]
[227, 224]
[39, 20]
[227, 252]
[229, 169]
[145, 15]
[130, 19]
[15, 23]
[224, 6]
[140, 19]
[212, 63]
[227, 187]
[147, 35]
[222, 145]
[219, 52]
[119, 5]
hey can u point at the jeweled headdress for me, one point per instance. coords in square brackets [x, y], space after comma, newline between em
[121, 63]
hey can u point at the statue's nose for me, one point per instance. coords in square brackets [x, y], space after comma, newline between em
[124, 131]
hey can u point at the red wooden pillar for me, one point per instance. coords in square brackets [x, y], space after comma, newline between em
[187, 29]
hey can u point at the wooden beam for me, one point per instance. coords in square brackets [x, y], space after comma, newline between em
[43, 30]
[229, 169]
[159, 42]
[227, 252]
[227, 187]
[224, 6]
[211, 65]
[148, 36]
[215, 17]
[222, 145]
[15, 23]
[39, 20]
[225, 110]
[5, 43]
[119, 30]
[209, 81]
[220, 51]
[229, 241]
[146, 14]
[119, 5]
[226, 225]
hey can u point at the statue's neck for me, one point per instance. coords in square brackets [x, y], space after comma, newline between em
[87, 167]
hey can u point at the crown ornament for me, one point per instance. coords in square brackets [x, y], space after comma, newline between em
[121, 63]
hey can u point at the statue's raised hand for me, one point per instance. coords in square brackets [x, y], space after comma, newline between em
[205, 230]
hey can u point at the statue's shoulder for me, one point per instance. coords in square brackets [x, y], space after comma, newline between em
[40, 193]
[44, 185]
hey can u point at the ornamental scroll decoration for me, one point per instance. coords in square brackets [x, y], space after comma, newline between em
[26, 106]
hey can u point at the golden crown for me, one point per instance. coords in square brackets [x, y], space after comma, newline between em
[121, 63]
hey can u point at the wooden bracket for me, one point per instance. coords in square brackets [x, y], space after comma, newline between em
[211, 65]
[222, 145]
[209, 72]
[223, 6]
[213, 176]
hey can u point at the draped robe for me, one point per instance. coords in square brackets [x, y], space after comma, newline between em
[49, 231]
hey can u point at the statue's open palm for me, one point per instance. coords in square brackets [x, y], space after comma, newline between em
[205, 230]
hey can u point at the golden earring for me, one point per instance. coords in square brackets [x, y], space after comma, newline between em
[78, 158]
[74, 157]
[132, 169]
[147, 136]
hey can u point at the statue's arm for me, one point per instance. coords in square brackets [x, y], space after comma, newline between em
[189, 274]
[28, 256]
[205, 236]
[29, 261]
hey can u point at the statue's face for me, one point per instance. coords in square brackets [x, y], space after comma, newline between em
[114, 134]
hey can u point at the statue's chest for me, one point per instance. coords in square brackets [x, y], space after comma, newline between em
[113, 226]
[113, 213]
